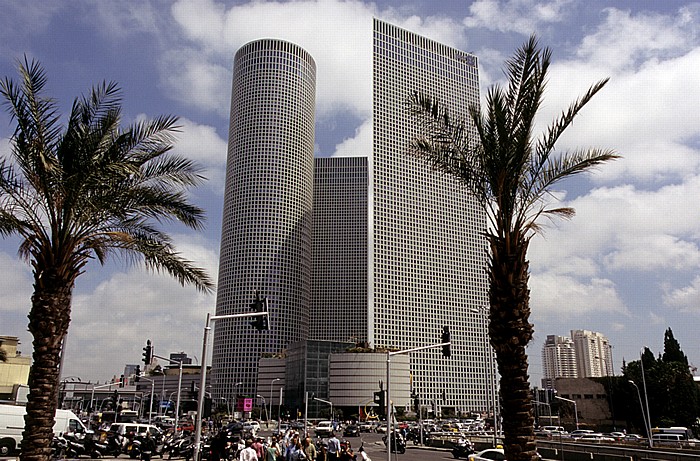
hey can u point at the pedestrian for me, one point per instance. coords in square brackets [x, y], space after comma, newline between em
[322, 453]
[333, 448]
[258, 447]
[309, 449]
[272, 451]
[248, 453]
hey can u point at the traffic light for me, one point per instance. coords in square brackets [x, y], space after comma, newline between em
[446, 352]
[379, 400]
[121, 381]
[147, 353]
[194, 391]
[137, 373]
[260, 323]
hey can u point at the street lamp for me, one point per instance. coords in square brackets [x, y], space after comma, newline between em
[575, 407]
[269, 415]
[644, 417]
[646, 397]
[484, 312]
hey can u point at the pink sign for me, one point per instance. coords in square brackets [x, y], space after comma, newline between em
[244, 404]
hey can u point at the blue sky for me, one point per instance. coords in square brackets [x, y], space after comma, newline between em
[627, 265]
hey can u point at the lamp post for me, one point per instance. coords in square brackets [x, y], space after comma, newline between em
[484, 312]
[235, 388]
[279, 412]
[644, 417]
[646, 397]
[269, 415]
[203, 372]
[150, 404]
[389, 407]
[575, 407]
[327, 402]
[92, 398]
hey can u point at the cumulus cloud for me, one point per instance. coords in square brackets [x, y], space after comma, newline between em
[358, 146]
[684, 299]
[520, 16]
[112, 320]
[572, 298]
[203, 144]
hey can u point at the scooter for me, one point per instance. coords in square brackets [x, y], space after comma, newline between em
[462, 449]
[363, 453]
[398, 443]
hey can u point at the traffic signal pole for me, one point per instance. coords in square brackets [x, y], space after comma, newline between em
[389, 407]
[203, 373]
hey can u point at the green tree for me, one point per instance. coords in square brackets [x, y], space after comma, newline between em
[82, 192]
[672, 349]
[511, 174]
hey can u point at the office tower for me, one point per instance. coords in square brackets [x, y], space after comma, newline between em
[427, 254]
[339, 272]
[266, 228]
[593, 354]
[558, 359]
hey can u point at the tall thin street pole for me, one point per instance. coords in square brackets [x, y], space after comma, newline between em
[646, 397]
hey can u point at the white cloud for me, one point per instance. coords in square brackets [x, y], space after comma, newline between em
[203, 144]
[112, 321]
[15, 284]
[570, 298]
[358, 146]
[685, 299]
[521, 16]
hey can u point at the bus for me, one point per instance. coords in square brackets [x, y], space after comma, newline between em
[676, 436]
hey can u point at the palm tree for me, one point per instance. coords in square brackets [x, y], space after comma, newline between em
[511, 174]
[82, 192]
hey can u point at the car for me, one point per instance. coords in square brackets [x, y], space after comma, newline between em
[579, 432]
[351, 431]
[595, 437]
[634, 438]
[282, 429]
[324, 429]
[366, 426]
[495, 454]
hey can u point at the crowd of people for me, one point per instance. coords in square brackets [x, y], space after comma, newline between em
[290, 447]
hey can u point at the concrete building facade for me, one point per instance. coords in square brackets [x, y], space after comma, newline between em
[593, 354]
[383, 250]
[266, 228]
[558, 359]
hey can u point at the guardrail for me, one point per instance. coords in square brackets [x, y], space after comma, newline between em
[577, 451]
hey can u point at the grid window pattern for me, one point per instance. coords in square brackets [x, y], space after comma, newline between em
[339, 274]
[428, 257]
[266, 230]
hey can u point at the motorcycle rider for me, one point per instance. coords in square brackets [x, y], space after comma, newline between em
[148, 446]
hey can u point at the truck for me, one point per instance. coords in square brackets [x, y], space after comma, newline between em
[12, 426]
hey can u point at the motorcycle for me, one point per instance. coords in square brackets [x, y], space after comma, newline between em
[398, 443]
[59, 446]
[462, 449]
[76, 445]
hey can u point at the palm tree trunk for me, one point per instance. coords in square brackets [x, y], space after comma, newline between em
[48, 324]
[510, 332]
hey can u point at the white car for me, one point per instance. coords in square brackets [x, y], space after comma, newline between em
[495, 454]
[324, 429]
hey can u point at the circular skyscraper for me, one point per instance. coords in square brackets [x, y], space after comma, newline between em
[266, 229]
